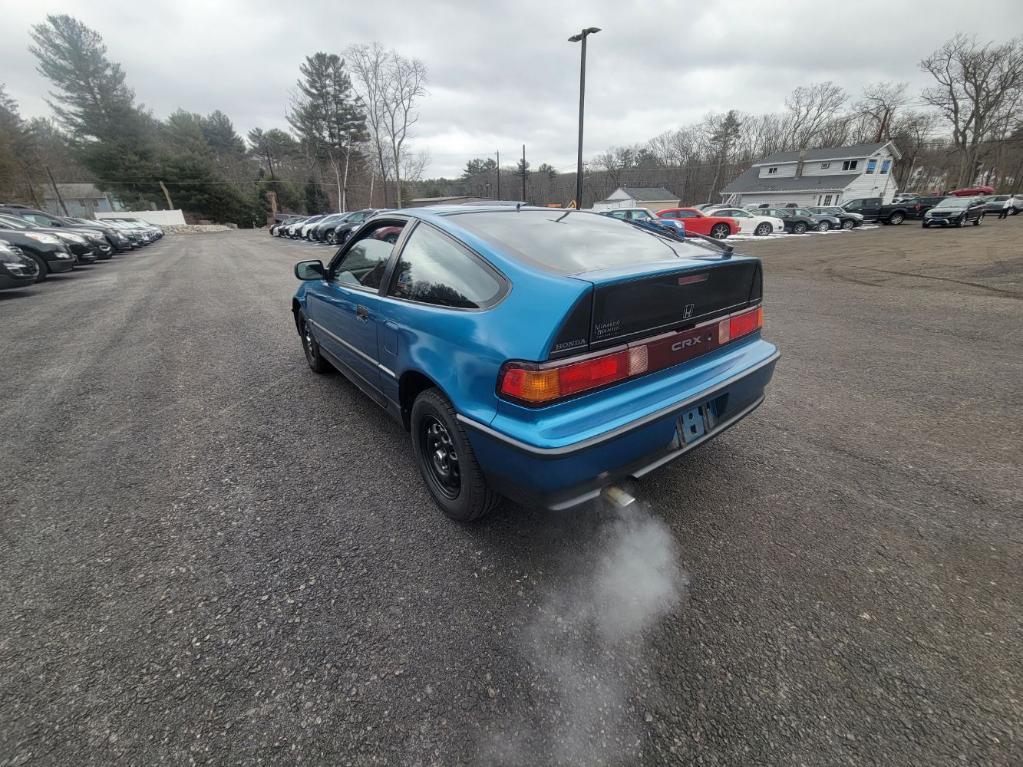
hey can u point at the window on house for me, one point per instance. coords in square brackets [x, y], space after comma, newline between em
[771, 171]
[825, 165]
[871, 166]
[886, 165]
[850, 164]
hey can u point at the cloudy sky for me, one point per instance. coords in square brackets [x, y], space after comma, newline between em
[503, 74]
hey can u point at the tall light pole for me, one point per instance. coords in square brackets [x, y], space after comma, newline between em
[581, 37]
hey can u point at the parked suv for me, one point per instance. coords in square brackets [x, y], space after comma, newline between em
[872, 209]
[16, 269]
[795, 223]
[955, 211]
[846, 220]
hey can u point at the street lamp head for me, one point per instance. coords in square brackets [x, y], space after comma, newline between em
[581, 35]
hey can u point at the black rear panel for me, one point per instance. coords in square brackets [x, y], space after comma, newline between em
[628, 310]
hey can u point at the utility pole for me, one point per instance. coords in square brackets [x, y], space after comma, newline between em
[166, 194]
[57, 191]
[523, 173]
[581, 37]
[498, 174]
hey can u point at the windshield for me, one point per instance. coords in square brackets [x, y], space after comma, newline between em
[13, 222]
[568, 242]
[955, 203]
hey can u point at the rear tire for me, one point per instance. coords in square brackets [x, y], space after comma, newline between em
[977, 220]
[762, 230]
[446, 460]
[311, 348]
[896, 218]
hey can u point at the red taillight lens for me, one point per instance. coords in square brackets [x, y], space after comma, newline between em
[739, 325]
[540, 385]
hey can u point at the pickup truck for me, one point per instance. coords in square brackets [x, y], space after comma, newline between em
[872, 209]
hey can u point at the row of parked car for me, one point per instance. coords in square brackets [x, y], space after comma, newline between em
[328, 228]
[34, 244]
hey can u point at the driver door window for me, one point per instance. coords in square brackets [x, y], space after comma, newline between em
[364, 264]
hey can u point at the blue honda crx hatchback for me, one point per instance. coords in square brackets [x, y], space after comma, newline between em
[537, 354]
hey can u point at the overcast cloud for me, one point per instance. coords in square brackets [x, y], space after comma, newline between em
[503, 74]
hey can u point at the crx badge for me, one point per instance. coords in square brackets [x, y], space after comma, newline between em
[688, 312]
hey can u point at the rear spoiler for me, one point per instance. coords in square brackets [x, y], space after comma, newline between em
[723, 248]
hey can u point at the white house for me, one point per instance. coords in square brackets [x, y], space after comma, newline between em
[817, 176]
[653, 198]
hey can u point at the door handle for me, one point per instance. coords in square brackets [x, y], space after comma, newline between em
[362, 312]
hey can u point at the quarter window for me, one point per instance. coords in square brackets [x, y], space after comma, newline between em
[434, 269]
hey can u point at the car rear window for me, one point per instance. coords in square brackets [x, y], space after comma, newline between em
[569, 242]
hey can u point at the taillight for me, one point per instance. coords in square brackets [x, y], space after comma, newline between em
[535, 384]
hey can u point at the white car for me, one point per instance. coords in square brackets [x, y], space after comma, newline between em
[751, 223]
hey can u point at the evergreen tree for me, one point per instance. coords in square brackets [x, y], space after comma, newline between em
[316, 200]
[17, 150]
[329, 117]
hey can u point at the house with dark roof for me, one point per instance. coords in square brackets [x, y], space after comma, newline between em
[817, 176]
[653, 198]
[81, 200]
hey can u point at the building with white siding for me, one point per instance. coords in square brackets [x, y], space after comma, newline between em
[817, 176]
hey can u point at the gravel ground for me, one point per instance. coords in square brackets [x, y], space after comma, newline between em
[210, 554]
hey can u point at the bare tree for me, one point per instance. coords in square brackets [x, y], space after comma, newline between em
[811, 109]
[976, 85]
[877, 109]
[369, 64]
[404, 84]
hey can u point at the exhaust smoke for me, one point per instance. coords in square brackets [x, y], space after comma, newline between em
[588, 647]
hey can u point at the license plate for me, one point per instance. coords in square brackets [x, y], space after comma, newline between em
[692, 424]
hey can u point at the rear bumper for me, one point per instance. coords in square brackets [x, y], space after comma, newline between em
[569, 474]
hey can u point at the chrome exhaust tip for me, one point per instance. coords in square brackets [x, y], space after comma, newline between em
[618, 497]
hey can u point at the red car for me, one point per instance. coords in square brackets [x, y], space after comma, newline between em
[699, 222]
[973, 191]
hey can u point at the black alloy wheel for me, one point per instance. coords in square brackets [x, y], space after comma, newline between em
[799, 228]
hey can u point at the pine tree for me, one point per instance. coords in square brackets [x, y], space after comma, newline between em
[329, 117]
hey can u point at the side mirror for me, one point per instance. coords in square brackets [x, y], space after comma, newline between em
[310, 270]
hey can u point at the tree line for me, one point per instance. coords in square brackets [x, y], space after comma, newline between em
[353, 115]
[966, 128]
[351, 120]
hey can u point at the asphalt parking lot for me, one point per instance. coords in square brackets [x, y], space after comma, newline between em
[210, 554]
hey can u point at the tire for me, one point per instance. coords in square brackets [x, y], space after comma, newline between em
[331, 238]
[1013, 211]
[925, 225]
[799, 228]
[446, 460]
[823, 226]
[44, 268]
[896, 218]
[311, 349]
[720, 231]
[762, 230]
[961, 222]
[847, 224]
[978, 219]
